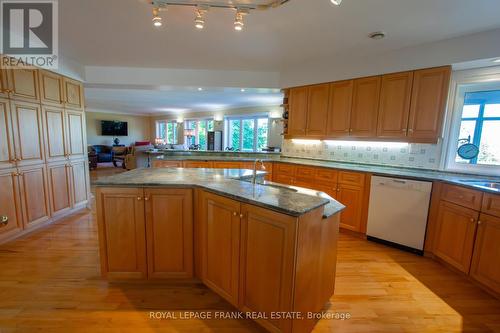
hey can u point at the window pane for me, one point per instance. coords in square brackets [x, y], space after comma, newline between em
[492, 110]
[234, 134]
[471, 111]
[489, 150]
[262, 130]
[162, 130]
[467, 128]
[202, 134]
[248, 134]
[210, 125]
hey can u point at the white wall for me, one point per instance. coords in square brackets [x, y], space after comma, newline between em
[138, 128]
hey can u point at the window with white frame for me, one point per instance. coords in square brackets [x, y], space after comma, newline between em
[475, 132]
[200, 128]
[246, 133]
[167, 130]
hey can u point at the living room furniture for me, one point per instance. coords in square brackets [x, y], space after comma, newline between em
[104, 153]
[119, 153]
[137, 158]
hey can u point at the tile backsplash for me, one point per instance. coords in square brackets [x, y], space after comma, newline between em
[423, 156]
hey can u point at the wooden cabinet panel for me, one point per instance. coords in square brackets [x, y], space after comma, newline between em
[462, 196]
[28, 132]
[197, 164]
[122, 228]
[394, 108]
[267, 263]
[298, 103]
[167, 164]
[352, 178]
[226, 165]
[339, 109]
[304, 174]
[51, 88]
[169, 233]
[428, 102]
[365, 105]
[221, 245]
[34, 195]
[76, 134]
[7, 153]
[491, 204]
[351, 197]
[326, 176]
[55, 136]
[4, 84]
[23, 84]
[485, 263]
[284, 173]
[10, 204]
[60, 192]
[317, 110]
[79, 184]
[456, 228]
[73, 94]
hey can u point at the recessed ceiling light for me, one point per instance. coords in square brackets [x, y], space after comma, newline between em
[377, 35]
[242, 90]
[496, 60]
[336, 2]
[200, 89]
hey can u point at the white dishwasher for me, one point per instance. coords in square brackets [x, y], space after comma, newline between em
[397, 214]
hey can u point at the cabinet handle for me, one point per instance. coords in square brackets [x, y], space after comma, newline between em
[479, 222]
[472, 219]
[235, 214]
[146, 198]
[404, 130]
[4, 220]
[338, 189]
[139, 198]
[241, 216]
[410, 130]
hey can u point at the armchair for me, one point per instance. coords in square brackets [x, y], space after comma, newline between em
[104, 153]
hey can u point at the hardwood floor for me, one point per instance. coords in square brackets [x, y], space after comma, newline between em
[50, 282]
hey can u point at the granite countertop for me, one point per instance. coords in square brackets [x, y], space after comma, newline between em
[377, 170]
[229, 183]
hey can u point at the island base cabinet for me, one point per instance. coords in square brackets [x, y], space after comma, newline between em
[169, 233]
[486, 260]
[267, 264]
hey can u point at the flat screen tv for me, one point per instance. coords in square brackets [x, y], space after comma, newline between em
[114, 128]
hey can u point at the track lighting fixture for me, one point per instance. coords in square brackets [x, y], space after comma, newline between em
[238, 20]
[156, 17]
[336, 2]
[199, 21]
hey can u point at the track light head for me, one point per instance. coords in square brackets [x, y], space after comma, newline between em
[238, 20]
[336, 2]
[199, 21]
[157, 21]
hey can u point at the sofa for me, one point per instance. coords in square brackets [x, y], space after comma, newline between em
[104, 153]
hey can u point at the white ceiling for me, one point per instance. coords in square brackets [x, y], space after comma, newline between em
[120, 33]
[178, 100]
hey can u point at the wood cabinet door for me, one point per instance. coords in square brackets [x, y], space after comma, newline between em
[79, 183]
[351, 197]
[73, 94]
[122, 230]
[60, 188]
[267, 264]
[35, 197]
[23, 84]
[4, 84]
[55, 133]
[221, 245]
[297, 118]
[51, 88]
[339, 109]
[7, 152]
[76, 134]
[365, 103]
[10, 204]
[486, 260]
[169, 233]
[394, 107]
[317, 110]
[28, 132]
[456, 228]
[428, 103]
[227, 165]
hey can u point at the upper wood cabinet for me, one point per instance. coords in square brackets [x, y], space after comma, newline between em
[455, 232]
[122, 231]
[23, 84]
[27, 126]
[428, 103]
[10, 205]
[394, 107]
[7, 151]
[317, 110]
[76, 140]
[298, 103]
[339, 109]
[365, 103]
[51, 88]
[4, 84]
[485, 263]
[55, 133]
[221, 245]
[73, 94]
[169, 233]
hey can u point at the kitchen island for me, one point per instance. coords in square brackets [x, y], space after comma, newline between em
[269, 250]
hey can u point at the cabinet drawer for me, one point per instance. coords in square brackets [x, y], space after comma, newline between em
[167, 164]
[197, 164]
[287, 169]
[491, 204]
[304, 173]
[462, 196]
[326, 176]
[351, 178]
[227, 165]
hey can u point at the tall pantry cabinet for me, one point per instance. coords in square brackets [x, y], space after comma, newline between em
[43, 160]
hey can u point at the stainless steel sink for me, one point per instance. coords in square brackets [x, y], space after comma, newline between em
[276, 185]
[482, 184]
